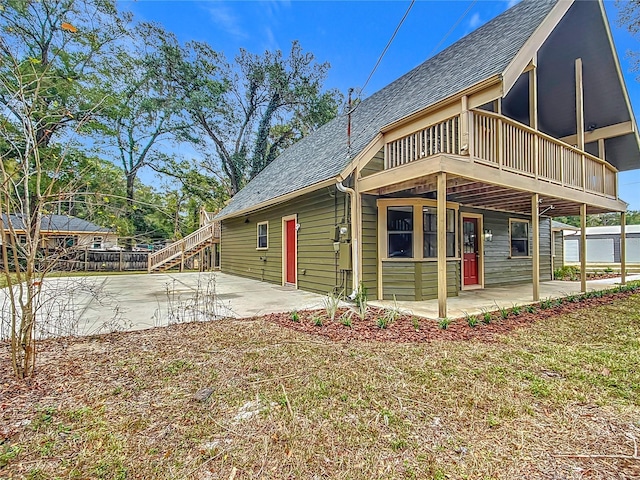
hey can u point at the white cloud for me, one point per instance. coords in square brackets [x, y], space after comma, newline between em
[270, 42]
[475, 21]
[511, 3]
[224, 18]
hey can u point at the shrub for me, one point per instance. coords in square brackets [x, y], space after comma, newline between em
[345, 319]
[444, 323]
[472, 320]
[361, 301]
[331, 304]
[295, 316]
[568, 272]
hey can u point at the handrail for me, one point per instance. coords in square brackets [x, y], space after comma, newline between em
[540, 134]
[507, 144]
[206, 217]
[185, 245]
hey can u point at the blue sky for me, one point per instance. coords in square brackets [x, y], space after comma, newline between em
[350, 35]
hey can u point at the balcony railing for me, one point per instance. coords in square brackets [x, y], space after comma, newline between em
[503, 143]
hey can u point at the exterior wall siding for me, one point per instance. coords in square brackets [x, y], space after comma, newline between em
[369, 245]
[416, 281]
[499, 267]
[558, 258]
[317, 213]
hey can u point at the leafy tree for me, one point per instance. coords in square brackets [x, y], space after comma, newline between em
[50, 51]
[629, 18]
[603, 219]
[143, 111]
[248, 112]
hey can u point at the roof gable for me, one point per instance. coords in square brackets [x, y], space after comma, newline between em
[484, 53]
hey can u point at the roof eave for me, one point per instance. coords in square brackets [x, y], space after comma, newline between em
[280, 199]
[533, 44]
[470, 90]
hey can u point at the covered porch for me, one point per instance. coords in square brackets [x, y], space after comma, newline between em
[473, 302]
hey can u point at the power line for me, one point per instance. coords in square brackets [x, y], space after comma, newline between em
[455, 25]
[387, 47]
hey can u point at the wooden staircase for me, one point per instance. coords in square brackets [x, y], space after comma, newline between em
[177, 253]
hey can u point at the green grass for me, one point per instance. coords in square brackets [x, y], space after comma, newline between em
[441, 409]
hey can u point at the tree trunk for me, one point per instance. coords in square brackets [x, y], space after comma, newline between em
[131, 178]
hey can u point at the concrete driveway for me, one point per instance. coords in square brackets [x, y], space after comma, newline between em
[97, 304]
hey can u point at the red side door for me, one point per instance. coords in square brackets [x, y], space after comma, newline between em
[290, 251]
[470, 250]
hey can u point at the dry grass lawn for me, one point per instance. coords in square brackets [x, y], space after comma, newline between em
[289, 405]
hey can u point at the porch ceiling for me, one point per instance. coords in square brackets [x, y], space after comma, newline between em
[473, 193]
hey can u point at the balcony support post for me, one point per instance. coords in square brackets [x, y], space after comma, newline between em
[465, 127]
[579, 106]
[623, 248]
[441, 200]
[535, 225]
[583, 248]
[533, 93]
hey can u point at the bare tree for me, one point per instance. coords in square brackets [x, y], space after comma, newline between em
[48, 55]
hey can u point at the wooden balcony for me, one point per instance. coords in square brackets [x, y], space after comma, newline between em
[498, 142]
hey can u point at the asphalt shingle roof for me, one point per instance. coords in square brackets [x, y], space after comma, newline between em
[57, 223]
[482, 54]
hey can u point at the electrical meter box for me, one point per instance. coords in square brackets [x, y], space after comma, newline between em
[344, 260]
[344, 231]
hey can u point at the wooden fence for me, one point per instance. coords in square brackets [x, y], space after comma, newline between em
[99, 261]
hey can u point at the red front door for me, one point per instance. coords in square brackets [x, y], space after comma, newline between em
[470, 250]
[290, 251]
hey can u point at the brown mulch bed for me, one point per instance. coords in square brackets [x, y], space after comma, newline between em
[408, 328]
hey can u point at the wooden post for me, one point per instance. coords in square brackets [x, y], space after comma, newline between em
[182, 256]
[623, 248]
[120, 261]
[583, 247]
[533, 93]
[500, 134]
[533, 111]
[86, 255]
[148, 263]
[535, 224]
[464, 126]
[579, 105]
[442, 244]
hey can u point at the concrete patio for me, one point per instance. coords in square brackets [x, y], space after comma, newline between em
[99, 304]
[474, 301]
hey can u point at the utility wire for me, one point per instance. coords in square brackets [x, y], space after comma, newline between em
[455, 25]
[387, 47]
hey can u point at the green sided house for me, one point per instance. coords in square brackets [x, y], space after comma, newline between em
[455, 169]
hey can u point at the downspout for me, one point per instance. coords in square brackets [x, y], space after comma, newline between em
[354, 237]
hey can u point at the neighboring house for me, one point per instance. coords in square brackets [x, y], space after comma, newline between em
[558, 230]
[603, 245]
[60, 232]
[451, 168]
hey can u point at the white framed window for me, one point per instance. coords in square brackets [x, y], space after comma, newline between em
[409, 229]
[519, 237]
[430, 231]
[400, 232]
[262, 236]
[97, 242]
